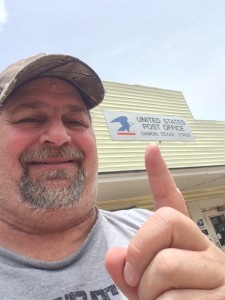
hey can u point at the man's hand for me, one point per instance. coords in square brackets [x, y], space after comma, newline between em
[169, 257]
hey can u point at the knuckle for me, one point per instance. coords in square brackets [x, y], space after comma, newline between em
[166, 216]
[165, 265]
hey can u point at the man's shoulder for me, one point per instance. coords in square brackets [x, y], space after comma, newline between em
[135, 216]
[121, 225]
[128, 212]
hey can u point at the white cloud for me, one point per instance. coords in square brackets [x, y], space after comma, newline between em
[3, 14]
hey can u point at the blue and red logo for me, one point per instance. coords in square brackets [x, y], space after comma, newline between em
[125, 125]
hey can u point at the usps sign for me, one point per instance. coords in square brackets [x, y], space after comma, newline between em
[135, 126]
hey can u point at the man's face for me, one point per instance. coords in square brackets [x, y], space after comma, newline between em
[47, 151]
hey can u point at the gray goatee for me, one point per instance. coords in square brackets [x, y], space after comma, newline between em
[38, 194]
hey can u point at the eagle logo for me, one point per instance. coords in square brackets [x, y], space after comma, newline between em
[125, 126]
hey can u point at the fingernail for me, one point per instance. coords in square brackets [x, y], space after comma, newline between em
[129, 274]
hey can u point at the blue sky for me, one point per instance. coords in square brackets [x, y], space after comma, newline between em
[169, 44]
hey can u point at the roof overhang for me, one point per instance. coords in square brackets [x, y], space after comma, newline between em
[112, 186]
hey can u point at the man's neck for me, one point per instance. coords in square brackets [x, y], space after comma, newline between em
[47, 245]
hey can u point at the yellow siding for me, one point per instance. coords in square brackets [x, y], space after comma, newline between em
[207, 150]
[147, 201]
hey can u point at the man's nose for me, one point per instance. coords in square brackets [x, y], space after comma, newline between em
[55, 134]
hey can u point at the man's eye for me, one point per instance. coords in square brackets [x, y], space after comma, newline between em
[28, 121]
[76, 123]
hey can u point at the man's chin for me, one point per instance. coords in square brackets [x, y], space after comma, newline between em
[55, 182]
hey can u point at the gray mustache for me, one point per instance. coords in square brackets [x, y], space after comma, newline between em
[49, 152]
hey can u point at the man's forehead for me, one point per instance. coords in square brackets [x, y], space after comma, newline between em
[41, 88]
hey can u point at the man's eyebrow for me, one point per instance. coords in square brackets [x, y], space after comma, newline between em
[40, 104]
[26, 105]
[76, 108]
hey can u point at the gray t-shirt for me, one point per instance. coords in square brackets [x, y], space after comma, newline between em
[80, 276]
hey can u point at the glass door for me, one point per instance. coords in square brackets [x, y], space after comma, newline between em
[216, 224]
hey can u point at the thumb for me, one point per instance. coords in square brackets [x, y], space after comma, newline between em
[164, 190]
[115, 261]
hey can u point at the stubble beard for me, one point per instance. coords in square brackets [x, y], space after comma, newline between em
[41, 193]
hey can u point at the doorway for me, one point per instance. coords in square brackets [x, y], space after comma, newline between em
[216, 224]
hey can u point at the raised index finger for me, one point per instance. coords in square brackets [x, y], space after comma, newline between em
[163, 187]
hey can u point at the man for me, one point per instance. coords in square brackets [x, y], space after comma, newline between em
[55, 243]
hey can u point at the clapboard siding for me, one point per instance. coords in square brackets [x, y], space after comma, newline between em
[116, 156]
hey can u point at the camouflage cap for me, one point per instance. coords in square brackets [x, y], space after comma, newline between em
[62, 66]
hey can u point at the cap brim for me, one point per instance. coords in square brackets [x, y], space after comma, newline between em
[66, 67]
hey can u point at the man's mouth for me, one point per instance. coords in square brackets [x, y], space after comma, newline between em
[54, 162]
[50, 164]
[46, 156]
